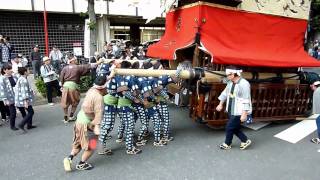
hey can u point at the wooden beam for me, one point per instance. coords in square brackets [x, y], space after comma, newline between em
[185, 74]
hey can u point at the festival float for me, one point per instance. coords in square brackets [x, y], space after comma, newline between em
[263, 37]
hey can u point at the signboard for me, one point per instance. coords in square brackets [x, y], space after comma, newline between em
[76, 44]
[77, 51]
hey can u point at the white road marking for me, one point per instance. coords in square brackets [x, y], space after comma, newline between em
[298, 131]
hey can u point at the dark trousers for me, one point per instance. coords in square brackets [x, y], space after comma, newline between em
[27, 117]
[93, 75]
[50, 86]
[13, 114]
[234, 128]
[318, 125]
[4, 110]
[36, 68]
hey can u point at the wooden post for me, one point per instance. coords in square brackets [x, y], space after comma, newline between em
[195, 59]
[185, 74]
[45, 24]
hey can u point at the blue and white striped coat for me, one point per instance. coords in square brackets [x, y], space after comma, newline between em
[6, 90]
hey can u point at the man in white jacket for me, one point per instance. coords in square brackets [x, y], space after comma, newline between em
[56, 58]
[50, 78]
[316, 108]
[238, 106]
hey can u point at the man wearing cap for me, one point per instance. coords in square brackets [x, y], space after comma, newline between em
[35, 58]
[70, 79]
[238, 106]
[50, 78]
[87, 125]
[316, 108]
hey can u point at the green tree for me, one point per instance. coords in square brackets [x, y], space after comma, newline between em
[315, 16]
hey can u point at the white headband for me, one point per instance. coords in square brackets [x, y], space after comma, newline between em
[234, 71]
[100, 87]
[316, 83]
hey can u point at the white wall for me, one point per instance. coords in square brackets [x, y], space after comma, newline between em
[80, 6]
[121, 7]
[16, 4]
[118, 7]
[53, 5]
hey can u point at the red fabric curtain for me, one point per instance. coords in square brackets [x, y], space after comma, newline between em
[251, 39]
[237, 37]
[180, 33]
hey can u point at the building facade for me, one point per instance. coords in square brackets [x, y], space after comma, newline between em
[23, 22]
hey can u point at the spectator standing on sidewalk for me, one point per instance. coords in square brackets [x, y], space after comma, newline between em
[116, 50]
[50, 78]
[9, 45]
[238, 98]
[70, 80]
[6, 49]
[24, 99]
[35, 58]
[56, 57]
[108, 51]
[316, 108]
[94, 59]
[16, 63]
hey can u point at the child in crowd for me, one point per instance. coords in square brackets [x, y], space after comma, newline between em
[23, 99]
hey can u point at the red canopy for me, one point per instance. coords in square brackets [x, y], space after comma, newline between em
[236, 37]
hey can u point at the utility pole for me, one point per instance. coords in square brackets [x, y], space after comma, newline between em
[46, 39]
[92, 27]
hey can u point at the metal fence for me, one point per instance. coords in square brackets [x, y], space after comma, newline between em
[25, 29]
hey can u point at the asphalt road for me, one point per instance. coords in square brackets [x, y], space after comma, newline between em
[194, 154]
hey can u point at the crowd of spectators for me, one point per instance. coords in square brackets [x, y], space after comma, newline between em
[314, 49]
[123, 50]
